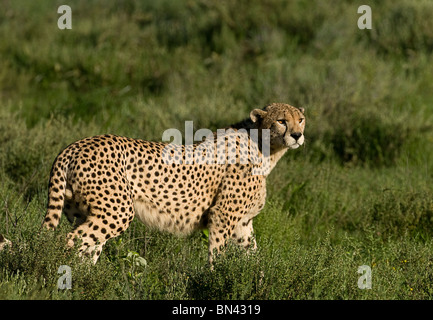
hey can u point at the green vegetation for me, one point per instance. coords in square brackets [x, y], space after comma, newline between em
[358, 193]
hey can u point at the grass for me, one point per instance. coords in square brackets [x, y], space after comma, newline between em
[358, 193]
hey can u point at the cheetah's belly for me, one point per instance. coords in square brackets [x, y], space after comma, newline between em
[154, 217]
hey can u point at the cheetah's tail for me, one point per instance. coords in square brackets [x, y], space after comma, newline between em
[56, 194]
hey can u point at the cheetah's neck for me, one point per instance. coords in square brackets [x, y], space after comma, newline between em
[275, 154]
[244, 124]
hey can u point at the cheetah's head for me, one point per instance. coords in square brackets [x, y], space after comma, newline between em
[285, 122]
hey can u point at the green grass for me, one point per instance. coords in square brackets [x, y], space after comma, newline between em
[358, 193]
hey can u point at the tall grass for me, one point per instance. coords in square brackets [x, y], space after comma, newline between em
[358, 193]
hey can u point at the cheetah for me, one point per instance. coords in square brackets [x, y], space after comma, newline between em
[101, 183]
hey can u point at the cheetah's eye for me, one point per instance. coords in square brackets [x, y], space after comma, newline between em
[283, 122]
[300, 120]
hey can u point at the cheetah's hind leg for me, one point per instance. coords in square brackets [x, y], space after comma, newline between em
[102, 224]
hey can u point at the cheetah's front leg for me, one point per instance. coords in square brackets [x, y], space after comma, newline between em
[243, 234]
[220, 229]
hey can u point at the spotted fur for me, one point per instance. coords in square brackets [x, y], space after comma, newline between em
[101, 183]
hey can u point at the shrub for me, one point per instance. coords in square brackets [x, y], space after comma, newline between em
[368, 140]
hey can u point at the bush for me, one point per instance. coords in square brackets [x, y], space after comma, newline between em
[368, 140]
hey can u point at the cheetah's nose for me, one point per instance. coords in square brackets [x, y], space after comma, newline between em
[296, 135]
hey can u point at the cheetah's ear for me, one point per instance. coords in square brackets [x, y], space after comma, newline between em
[257, 114]
[302, 110]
